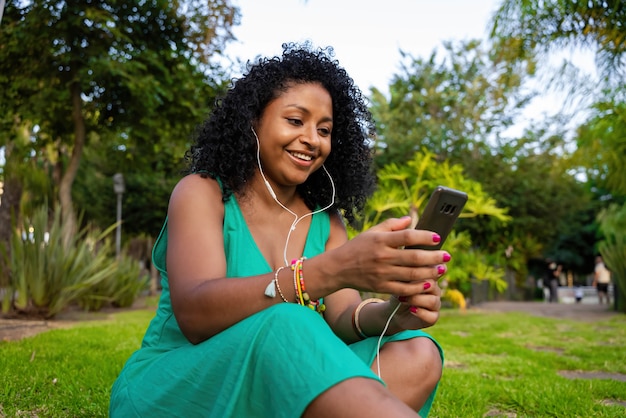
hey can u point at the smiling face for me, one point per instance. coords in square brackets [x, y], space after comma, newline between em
[295, 134]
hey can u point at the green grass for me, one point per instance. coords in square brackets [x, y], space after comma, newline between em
[509, 364]
[497, 364]
[68, 372]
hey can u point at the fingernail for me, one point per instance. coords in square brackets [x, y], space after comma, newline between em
[413, 309]
[426, 286]
[402, 298]
[436, 238]
[441, 269]
[446, 257]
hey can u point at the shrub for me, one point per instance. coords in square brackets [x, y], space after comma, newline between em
[119, 289]
[48, 274]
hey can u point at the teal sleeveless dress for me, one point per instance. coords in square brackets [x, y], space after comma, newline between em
[271, 364]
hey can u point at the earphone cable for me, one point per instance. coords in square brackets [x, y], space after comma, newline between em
[297, 220]
[273, 194]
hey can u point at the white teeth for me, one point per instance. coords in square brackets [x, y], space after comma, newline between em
[302, 156]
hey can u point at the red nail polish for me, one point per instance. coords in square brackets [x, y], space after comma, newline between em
[426, 286]
[413, 309]
[436, 238]
[446, 257]
[441, 269]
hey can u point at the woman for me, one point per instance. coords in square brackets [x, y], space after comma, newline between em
[260, 313]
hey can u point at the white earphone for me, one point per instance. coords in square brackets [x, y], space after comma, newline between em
[298, 219]
[273, 194]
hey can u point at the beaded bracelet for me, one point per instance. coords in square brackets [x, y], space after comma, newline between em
[271, 288]
[302, 296]
[355, 317]
[278, 286]
[296, 266]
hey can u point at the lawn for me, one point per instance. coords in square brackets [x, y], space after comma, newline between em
[497, 364]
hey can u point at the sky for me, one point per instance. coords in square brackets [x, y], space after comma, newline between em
[367, 36]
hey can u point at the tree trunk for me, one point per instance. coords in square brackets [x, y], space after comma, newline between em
[9, 206]
[9, 213]
[65, 188]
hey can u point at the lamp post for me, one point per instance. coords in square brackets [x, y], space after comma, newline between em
[1, 9]
[118, 188]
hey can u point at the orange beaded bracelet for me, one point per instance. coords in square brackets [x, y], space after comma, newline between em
[302, 296]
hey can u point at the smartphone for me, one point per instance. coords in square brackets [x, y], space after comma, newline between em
[443, 208]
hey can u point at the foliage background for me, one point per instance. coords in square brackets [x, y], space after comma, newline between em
[90, 90]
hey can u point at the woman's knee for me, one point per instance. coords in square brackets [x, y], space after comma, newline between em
[420, 358]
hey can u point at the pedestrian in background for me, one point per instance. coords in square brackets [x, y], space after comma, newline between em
[601, 280]
[551, 277]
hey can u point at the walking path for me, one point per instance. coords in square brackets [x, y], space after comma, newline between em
[12, 329]
[583, 311]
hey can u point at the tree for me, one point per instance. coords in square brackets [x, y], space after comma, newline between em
[150, 173]
[138, 70]
[541, 27]
[459, 108]
[549, 207]
[601, 153]
[456, 105]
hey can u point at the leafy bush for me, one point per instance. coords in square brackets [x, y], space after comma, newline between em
[48, 274]
[120, 289]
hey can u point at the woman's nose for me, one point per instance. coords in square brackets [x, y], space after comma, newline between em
[310, 137]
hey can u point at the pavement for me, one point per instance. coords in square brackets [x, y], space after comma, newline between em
[12, 329]
[591, 312]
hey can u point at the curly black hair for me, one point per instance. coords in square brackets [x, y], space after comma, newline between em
[225, 146]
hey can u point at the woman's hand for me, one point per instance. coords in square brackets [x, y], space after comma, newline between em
[420, 310]
[376, 261]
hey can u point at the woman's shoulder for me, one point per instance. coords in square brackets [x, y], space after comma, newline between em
[195, 183]
[196, 189]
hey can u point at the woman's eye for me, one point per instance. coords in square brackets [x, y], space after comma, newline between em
[294, 121]
[324, 131]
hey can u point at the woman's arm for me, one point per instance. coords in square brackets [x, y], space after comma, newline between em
[203, 300]
[373, 317]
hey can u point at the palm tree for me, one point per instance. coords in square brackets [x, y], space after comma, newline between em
[540, 27]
